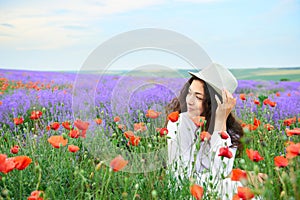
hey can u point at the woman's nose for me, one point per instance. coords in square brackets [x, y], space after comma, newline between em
[190, 100]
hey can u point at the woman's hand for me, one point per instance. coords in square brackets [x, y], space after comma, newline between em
[223, 109]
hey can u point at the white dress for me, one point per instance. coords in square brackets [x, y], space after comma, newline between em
[210, 169]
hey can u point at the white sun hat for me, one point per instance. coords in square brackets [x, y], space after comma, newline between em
[218, 77]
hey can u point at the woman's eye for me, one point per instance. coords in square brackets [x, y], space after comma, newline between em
[199, 98]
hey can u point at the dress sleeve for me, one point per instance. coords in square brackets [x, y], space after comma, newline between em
[217, 166]
[180, 145]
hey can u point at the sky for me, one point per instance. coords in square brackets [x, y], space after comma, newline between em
[60, 35]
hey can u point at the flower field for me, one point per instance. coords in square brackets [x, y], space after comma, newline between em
[103, 137]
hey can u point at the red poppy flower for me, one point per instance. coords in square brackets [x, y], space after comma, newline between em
[256, 122]
[18, 121]
[266, 101]
[117, 118]
[250, 127]
[57, 140]
[269, 127]
[118, 163]
[134, 141]
[197, 191]
[290, 121]
[14, 149]
[236, 197]
[254, 155]
[224, 135]
[128, 134]
[245, 193]
[288, 94]
[140, 127]
[225, 152]
[81, 125]
[238, 175]
[36, 115]
[277, 94]
[173, 116]
[73, 148]
[66, 125]
[55, 88]
[281, 161]
[269, 102]
[272, 103]
[288, 143]
[204, 135]
[36, 195]
[74, 133]
[6, 164]
[295, 131]
[122, 127]
[293, 150]
[152, 114]
[21, 162]
[256, 102]
[243, 124]
[98, 121]
[163, 132]
[54, 126]
[243, 97]
[199, 121]
[82, 134]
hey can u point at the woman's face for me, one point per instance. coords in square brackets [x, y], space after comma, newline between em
[194, 98]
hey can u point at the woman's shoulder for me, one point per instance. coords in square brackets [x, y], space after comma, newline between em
[184, 115]
[182, 118]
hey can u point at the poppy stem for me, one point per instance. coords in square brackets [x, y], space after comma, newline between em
[39, 177]
[21, 185]
[104, 189]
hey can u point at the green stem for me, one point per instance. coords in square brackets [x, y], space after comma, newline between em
[21, 185]
[39, 178]
[134, 195]
[108, 180]
[104, 187]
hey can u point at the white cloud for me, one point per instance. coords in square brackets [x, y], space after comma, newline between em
[55, 24]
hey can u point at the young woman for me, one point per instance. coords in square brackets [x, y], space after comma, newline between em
[206, 151]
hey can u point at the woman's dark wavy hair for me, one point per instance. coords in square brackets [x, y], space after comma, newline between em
[234, 128]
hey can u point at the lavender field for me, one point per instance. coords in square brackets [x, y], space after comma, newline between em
[102, 137]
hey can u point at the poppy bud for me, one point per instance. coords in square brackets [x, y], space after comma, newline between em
[65, 136]
[154, 194]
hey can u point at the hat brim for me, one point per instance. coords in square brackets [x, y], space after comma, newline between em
[200, 76]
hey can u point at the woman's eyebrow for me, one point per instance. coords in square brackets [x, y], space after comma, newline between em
[197, 93]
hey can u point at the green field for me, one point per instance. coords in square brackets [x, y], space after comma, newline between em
[275, 74]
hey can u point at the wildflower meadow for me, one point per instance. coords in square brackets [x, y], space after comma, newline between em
[60, 139]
